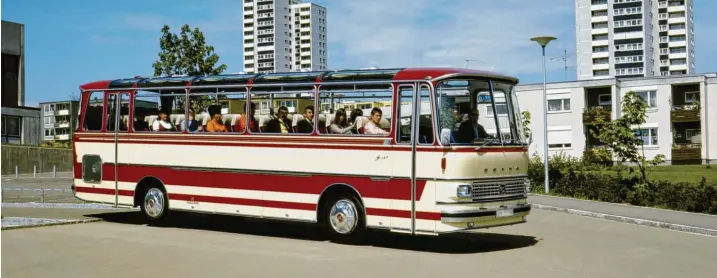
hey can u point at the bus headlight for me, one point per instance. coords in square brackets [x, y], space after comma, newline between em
[463, 191]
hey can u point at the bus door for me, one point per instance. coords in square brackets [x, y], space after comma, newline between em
[406, 122]
[117, 123]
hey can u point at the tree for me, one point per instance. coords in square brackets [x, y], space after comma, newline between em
[526, 123]
[187, 54]
[618, 135]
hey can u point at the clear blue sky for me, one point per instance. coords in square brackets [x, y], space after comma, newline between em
[73, 42]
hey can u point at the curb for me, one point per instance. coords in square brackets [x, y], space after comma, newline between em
[637, 221]
[52, 224]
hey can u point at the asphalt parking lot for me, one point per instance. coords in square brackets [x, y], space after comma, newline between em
[551, 244]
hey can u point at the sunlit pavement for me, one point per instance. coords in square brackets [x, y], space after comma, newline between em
[551, 244]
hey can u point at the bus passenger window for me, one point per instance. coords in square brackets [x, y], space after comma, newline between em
[405, 113]
[93, 112]
[425, 120]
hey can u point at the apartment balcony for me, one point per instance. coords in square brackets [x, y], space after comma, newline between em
[62, 125]
[603, 54]
[598, 19]
[662, 4]
[678, 67]
[601, 43]
[594, 114]
[686, 151]
[601, 66]
[598, 7]
[685, 113]
[62, 137]
[63, 112]
[676, 20]
[680, 8]
[678, 55]
[629, 35]
[677, 43]
[600, 31]
[676, 32]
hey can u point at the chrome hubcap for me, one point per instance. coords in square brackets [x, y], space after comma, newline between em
[343, 217]
[154, 202]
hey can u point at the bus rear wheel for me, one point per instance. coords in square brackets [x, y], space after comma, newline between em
[345, 220]
[154, 205]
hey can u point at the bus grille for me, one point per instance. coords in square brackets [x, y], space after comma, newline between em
[504, 188]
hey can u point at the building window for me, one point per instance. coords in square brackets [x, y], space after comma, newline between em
[11, 127]
[502, 110]
[647, 135]
[560, 137]
[605, 100]
[559, 105]
[692, 97]
[650, 97]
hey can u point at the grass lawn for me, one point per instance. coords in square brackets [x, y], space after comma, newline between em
[679, 173]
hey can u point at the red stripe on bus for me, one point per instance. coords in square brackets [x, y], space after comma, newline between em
[394, 189]
[263, 203]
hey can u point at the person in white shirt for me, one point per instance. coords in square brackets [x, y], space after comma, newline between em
[373, 127]
[162, 123]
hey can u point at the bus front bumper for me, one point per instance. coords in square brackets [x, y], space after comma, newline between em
[466, 219]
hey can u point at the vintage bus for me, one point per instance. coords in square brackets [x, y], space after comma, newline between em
[410, 150]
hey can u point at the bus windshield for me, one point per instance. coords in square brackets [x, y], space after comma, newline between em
[473, 111]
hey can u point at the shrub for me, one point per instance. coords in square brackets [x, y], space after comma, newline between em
[576, 178]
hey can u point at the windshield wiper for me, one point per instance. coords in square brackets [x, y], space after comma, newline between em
[489, 141]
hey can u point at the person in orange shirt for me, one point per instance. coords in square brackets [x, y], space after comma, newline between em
[253, 126]
[216, 124]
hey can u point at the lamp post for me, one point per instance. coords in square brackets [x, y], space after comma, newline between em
[543, 41]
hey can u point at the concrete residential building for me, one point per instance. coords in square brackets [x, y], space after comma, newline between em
[634, 38]
[276, 32]
[20, 124]
[309, 27]
[681, 120]
[59, 120]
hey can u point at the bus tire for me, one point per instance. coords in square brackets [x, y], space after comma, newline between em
[155, 205]
[345, 219]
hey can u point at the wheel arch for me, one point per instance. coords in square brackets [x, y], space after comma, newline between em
[143, 185]
[333, 189]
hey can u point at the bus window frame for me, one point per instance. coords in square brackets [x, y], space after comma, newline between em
[391, 86]
[251, 91]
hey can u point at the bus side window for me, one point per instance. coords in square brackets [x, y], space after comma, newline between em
[404, 114]
[93, 112]
[425, 122]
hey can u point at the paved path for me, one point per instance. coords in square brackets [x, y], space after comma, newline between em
[551, 244]
[698, 220]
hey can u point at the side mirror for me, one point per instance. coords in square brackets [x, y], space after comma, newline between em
[445, 137]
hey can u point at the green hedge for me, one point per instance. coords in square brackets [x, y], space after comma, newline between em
[578, 179]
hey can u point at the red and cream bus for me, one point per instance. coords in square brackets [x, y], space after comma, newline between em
[411, 150]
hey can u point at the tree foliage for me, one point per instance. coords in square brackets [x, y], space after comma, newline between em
[619, 136]
[187, 54]
[525, 115]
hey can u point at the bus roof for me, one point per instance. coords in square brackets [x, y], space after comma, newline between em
[326, 77]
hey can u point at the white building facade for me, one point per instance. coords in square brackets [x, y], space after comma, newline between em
[681, 119]
[634, 38]
[273, 31]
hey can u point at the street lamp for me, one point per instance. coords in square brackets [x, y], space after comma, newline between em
[543, 41]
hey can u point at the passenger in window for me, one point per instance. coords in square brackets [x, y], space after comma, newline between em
[215, 123]
[307, 124]
[253, 124]
[352, 120]
[471, 129]
[340, 124]
[373, 127]
[140, 124]
[162, 124]
[281, 123]
[190, 123]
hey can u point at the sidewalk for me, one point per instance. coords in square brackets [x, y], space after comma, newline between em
[675, 220]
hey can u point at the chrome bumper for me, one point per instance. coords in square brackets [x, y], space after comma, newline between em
[483, 213]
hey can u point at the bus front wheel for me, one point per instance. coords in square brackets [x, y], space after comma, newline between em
[345, 218]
